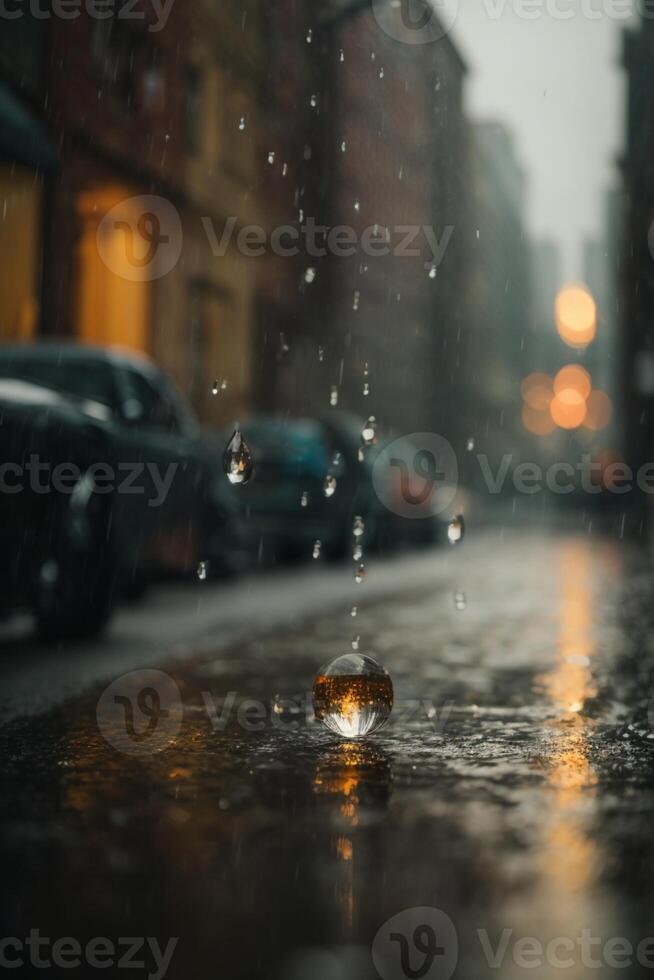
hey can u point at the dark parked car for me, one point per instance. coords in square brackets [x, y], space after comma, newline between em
[308, 485]
[145, 493]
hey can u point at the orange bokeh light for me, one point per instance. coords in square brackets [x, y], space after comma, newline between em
[575, 378]
[538, 422]
[576, 316]
[568, 409]
[599, 411]
[537, 391]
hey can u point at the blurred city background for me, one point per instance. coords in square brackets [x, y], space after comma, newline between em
[271, 114]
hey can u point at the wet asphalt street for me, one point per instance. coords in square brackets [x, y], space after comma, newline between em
[512, 790]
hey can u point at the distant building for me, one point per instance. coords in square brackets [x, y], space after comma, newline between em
[544, 352]
[636, 300]
[500, 285]
[28, 157]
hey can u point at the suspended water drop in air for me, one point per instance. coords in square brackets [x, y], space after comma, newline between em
[329, 486]
[304, 499]
[203, 570]
[460, 601]
[359, 573]
[353, 611]
[321, 353]
[343, 146]
[358, 527]
[366, 388]
[309, 36]
[357, 552]
[432, 272]
[333, 397]
[353, 695]
[355, 642]
[317, 548]
[456, 529]
[310, 274]
[470, 445]
[369, 432]
[355, 300]
[241, 123]
[237, 460]
[361, 455]
[336, 459]
[313, 101]
[271, 157]
[357, 206]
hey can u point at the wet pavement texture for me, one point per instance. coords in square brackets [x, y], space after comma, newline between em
[512, 788]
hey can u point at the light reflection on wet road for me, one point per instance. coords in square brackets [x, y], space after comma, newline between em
[524, 804]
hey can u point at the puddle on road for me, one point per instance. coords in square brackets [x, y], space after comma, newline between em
[521, 803]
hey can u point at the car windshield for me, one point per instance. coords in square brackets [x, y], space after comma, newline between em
[87, 380]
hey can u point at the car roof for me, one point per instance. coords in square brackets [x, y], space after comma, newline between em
[71, 351]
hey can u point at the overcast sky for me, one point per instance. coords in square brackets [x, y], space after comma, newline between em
[560, 87]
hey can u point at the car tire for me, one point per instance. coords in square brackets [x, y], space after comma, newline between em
[76, 584]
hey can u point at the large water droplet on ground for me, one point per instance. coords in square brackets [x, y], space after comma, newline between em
[353, 695]
[237, 460]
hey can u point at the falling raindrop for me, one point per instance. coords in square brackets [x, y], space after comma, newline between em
[321, 352]
[355, 300]
[359, 573]
[460, 601]
[432, 272]
[313, 101]
[203, 569]
[357, 553]
[456, 529]
[309, 36]
[470, 445]
[366, 370]
[353, 695]
[358, 527]
[333, 397]
[366, 388]
[220, 384]
[304, 499]
[329, 486]
[284, 169]
[369, 432]
[343, 146]
[317, 548]
[341, 56]
[381, 72]
[271, 157]
[237, 460]
[357, 206]
[241, 123]
[361, 455]
[310, 274]
[355, 642]
[283, 345]
[353, 611]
